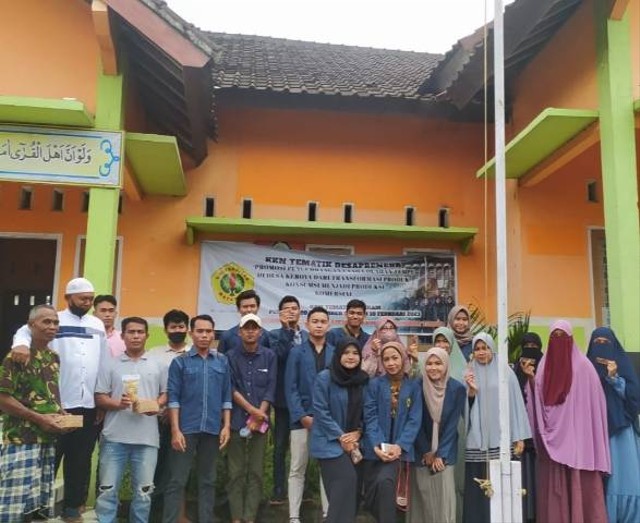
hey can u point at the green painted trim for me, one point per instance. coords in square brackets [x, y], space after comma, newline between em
[155, 161]
[44, 111]
[619, 173]
[546, 133]
[280, 228]
[102, 229]
[102, 220]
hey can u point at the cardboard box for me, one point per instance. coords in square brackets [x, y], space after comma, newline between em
[143, 406]
[70, 421]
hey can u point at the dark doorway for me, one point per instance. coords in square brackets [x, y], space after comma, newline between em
[27, 272]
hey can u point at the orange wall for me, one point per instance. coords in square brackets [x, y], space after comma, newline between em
[283, 159]
[52, 52]
[562, 75]
[555, 217]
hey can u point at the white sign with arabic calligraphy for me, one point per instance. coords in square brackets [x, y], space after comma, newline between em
[61, 156]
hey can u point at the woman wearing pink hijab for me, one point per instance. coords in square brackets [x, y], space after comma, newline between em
[386, 331]
[570, 434]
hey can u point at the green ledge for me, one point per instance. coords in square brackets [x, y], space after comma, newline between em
[280, 228]
[44, 111]
[156, 165]
[548, 131]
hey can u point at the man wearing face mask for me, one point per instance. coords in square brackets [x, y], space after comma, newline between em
[80, 343]
[176, 325]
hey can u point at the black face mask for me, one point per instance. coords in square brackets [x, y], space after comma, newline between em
[78, 311]
[177, 337]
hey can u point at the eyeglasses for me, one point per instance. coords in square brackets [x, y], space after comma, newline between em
[388, 328]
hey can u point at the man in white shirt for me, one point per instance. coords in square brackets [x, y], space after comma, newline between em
[80, 344]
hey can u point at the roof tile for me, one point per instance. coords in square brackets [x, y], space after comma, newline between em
[281, 65]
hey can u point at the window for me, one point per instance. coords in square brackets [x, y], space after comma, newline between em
[592, 191]
[209, 207]
[84, 206]
[57, 200]
[348, 213]
[26, 199]
[247, 204]
[409, 215]
[443, 217]
[312, 211]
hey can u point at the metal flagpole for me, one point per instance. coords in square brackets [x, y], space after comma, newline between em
[505, 502]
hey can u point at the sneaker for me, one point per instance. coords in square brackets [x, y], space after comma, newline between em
[276, 501]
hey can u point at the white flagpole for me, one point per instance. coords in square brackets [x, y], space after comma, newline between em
[502, 507]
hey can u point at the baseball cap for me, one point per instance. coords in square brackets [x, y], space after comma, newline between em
[250, 317]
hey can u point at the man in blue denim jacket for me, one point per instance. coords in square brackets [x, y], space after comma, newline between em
[199, 390]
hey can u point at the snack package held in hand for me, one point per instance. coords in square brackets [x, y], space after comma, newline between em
[130, 386]
[142, 406]
[70, 421]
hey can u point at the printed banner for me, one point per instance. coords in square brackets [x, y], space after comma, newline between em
[417, 290]
[61, 157]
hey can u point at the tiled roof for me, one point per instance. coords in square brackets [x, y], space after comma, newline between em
[186, 29]
[292, 66]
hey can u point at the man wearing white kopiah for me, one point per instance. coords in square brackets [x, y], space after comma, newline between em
[79, 343]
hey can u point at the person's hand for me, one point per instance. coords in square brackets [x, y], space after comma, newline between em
[307, 422]
[178, 442]
[412, 350]
[612, 366]
[438, 465]
[427, 458]
[348, 446]
[376, 344]
[393, 453]
[518, 447]
[21, 354]
[351, 437]
[470, 379]
[259, 416]
[349, 440]
[528, 366]
[225, 436]
[49, 423]
[125, 402]
[99, 416]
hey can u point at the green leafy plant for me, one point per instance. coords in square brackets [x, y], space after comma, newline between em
[518, 324]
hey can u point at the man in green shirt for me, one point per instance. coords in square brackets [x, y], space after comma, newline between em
[30, 402]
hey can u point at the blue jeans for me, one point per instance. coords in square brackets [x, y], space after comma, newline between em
[113, 461]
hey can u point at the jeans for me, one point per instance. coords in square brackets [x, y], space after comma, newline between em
[77, 448]
[113, 461]
[280, 445]
[246, 468]
[297, 471]
[205, 446]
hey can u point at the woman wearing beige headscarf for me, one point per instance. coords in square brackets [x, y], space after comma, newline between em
[433, 494]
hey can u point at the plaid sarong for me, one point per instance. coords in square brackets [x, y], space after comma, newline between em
[26, 479]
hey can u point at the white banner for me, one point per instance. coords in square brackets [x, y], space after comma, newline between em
[417, 290]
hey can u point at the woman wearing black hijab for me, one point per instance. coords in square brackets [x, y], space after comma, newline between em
[337, 428]
[525, 371]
